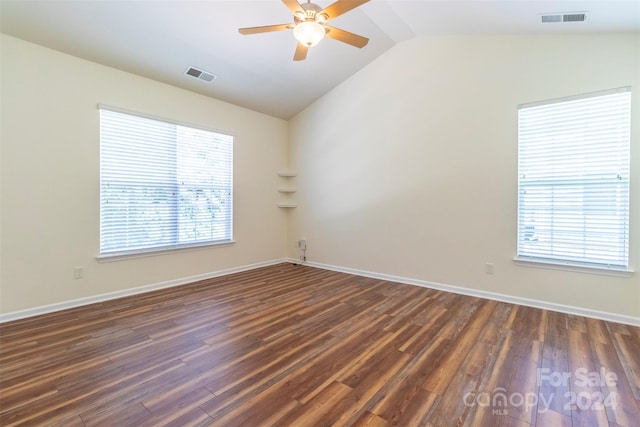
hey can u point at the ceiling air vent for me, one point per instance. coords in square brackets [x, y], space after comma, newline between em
[563, 17]
[200, 74]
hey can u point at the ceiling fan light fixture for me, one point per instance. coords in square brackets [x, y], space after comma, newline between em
[309, 25]
[309, 33]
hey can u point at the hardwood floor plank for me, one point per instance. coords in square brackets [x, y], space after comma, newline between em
[367, 419]
[292, 345]
[552, 387]
[171, 405]
[577, 323]
[187, 394]
[524, 384]
[194, 418]
[386, 348]
[391, 401]
[231, 390]
[74, 421]
[553, 418]
[418, 411]
[266, 408]
[580, 358]
[320, 409]
[465, 390]
[462, 343]
[628, 349]
[439, 317]
[336, 361]
[485, 406]
[557, 324]
[125, 415]
[617, 396]
[370, 383]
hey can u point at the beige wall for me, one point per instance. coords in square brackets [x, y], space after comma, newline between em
[406, 169]
[50, 178]
[409, 168]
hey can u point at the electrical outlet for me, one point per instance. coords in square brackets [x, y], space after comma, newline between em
[302, 244]
[78, 273]
[488, 268]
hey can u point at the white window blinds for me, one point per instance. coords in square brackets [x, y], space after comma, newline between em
[162, 185]
[573, 168]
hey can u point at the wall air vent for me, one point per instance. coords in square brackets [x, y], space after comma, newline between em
[563, 17]
[200, 74]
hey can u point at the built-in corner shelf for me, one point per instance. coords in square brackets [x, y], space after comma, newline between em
[286, 190]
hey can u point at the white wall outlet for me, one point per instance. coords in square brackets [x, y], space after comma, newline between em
[78, 272]
[302, 244]
[488, 268]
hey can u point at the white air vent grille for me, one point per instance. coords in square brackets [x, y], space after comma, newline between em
[574, 17]
[200, 74]
[563, 17]
[550, 18]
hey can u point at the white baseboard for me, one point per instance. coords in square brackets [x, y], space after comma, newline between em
[611, 317]
[30, 312]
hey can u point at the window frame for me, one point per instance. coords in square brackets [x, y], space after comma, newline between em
[176, 246]
[556, 262]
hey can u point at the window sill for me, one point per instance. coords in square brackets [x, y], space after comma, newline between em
[120, 256]
[574, 267]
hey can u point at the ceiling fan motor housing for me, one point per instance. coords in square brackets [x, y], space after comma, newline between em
[311, 13]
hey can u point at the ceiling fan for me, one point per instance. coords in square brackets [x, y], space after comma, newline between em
[309, 25]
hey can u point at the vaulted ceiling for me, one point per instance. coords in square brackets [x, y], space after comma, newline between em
[161, 39]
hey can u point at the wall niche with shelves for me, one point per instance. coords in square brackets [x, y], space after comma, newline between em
[287, 189]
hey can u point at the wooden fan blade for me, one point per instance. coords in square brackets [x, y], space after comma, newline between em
[346, 37]
[293, 6]
[339, 7]
[265, 29]
[301, 52]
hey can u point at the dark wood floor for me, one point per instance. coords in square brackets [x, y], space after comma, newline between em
[296, 346]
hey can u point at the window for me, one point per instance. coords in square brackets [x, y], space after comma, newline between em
[162, 185]
[573, 180]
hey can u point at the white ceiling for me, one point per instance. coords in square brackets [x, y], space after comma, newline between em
[160, 39]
